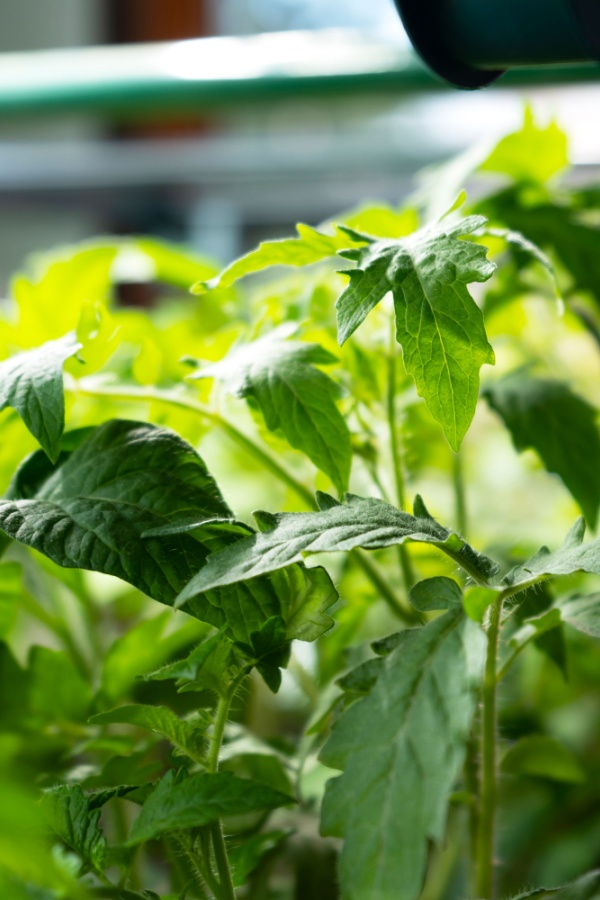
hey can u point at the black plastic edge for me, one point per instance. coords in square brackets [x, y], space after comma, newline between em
[587, 13]
[422, 20]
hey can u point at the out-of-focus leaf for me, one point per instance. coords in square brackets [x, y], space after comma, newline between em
[179, 803]
[58, 692]
[541, 756]
[67, 813]
[183, 735]
[400, 748]
[560, 426]
[573, 556]
[11, 591]
[582, 613]
[246, 857]
[435, 593]
[533, 153]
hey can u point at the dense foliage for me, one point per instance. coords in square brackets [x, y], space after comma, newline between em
[414, 714]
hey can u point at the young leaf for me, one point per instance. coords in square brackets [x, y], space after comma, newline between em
[573, 556]
[560, 426]
[161, 720]
[179, 803]
[359, 522]
[269, 651]
[438, 324]
[400, 749]
[532, 153]
[309, 247]
[206, 666]
[67, 812]
[32, 383]
[293, 396]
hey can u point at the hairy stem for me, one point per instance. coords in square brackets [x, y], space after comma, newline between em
[487, 809]
[406, 567]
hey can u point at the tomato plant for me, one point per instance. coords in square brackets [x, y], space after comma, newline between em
[344, 693]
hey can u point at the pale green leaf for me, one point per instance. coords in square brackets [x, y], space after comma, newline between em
[309, 247]
[293, 396]
[573, 556]
[359, 522]
[190, 802]
[560, 426]
[540, 756]
[58, 693]
[68, 815]
[32, 383]
[401, 748]
[533, 153]
[183, 735]
[582, 613]
[438, 324]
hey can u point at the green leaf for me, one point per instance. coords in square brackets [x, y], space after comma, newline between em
[359, 522]
[586, 888]
[530, 154]
[293, 396]
[67, 812]
[308, 593]
[309, 247]
[11, 593]
[560, 426]
[476, 600]
[582, 613]
[58, 692]
[179, 803]
[124, 479]
[246, 857]
[400, 749]
[438, 324]
[32, 383]
[183, 735]
[269, 651]
[205, 667]
[541, 756]
[573, 556]
[435, 593]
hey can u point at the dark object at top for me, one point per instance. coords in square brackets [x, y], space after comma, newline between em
[470, 43]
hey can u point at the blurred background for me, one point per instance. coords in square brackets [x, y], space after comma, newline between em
[120, 116]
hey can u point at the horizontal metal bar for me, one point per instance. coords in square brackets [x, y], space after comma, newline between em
[195, 75]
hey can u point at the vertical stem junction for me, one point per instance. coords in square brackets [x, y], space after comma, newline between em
[487, 809]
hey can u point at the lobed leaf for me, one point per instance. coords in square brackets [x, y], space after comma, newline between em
[293, 396]
[359, 522]
[560, 426]
[179, 803]
[400, 749]
[32, 383]
[438, 324]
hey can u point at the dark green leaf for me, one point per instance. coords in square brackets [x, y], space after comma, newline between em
[32, 383]
[400, 749]
[246, 857]
[542, 757]
[179, 803]
[438, 324]
[68, 814]
[560, 426]
[359, 522]
[293, 396]
[183, 735]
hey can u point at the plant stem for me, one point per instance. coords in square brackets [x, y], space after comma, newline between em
[487, 809]
[254, 450]
[408, 574]
[471, 779]
[460, 500]
[404, 612]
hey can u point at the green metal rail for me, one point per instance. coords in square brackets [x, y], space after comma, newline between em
[192, 76]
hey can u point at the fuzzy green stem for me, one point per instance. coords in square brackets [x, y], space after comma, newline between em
[408, 574]
[460, 500]
[487, 809]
